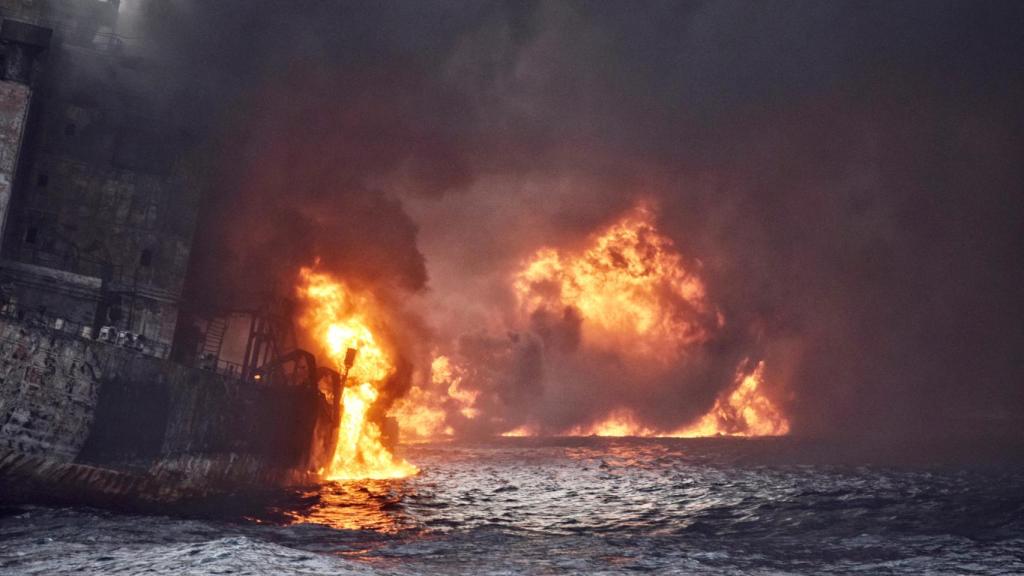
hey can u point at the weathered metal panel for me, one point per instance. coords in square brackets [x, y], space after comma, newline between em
[14, 102]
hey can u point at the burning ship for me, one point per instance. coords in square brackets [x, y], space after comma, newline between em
[110, 391]
[114, 387]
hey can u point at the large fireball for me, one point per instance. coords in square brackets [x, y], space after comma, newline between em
[636, 295]
[630, 287]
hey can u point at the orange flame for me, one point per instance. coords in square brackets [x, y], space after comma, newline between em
[422, 412]
[744, 411]
[421, 416]
[339, 318]
[629, 286]
[520, 432]
[448, 375]
[632, 292]
[619, 423]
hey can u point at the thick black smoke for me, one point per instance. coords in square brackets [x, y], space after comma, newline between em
[311, 117]
[848, 173]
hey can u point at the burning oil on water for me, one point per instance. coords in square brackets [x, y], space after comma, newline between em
[632, 295]
[629, 295]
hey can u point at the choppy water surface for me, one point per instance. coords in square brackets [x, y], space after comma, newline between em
[569, 506]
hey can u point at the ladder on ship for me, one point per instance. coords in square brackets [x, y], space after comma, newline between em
[214, 340]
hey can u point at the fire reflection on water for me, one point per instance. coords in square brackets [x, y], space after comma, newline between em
[355, 505]
[538, 485]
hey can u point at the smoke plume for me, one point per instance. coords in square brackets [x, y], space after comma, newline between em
[847, 175]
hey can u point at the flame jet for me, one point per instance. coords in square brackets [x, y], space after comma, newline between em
[338, 319]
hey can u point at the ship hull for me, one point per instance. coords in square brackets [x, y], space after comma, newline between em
[90, 422]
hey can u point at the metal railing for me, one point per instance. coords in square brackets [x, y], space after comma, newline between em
[121, 338]
[230, 370]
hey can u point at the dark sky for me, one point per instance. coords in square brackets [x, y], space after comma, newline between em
[849, 174]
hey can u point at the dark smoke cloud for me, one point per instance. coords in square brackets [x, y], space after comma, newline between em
[315, 116]
[848, 173]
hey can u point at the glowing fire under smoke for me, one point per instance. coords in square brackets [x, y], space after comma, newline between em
[633, 293]
[743, 411]
[338, 319]
[630, 287]
[423, 413]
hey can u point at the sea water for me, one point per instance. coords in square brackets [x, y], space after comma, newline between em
[567, 506]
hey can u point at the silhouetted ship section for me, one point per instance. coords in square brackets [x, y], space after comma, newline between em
[103, 423]
[111, 392]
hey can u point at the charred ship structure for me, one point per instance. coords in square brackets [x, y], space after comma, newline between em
[106, 394]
